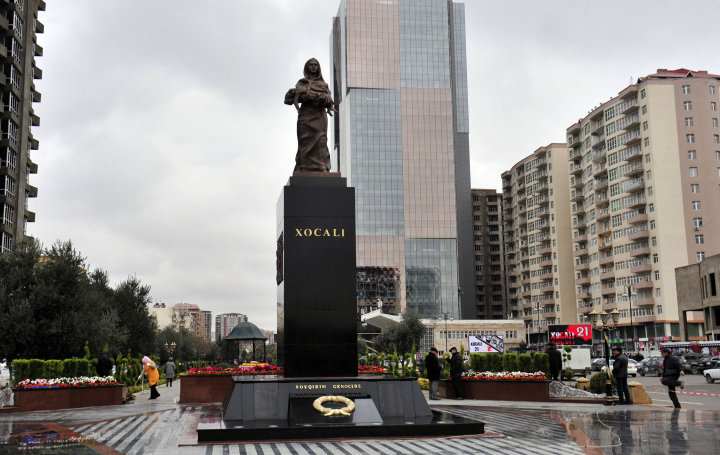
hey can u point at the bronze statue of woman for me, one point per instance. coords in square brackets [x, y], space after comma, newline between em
[316, 103]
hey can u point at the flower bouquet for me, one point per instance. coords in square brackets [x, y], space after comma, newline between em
[60, 383]
[245, 370]
[504, 376]
[370, 369]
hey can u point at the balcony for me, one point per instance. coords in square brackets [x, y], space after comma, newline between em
[629, 122]
[598, 170]
[547, 263]
[582, 267]
[601, 184]
[527, 294]
[550, 315]
[574, 154]
[607, 260]
[634, 201]
[605, 245]
[546, 277]
[631, 169]
[577, 196]
[630, 152]
[525, 282]
[640, 252]
[639, 235]
[574, 140]
[640, 218]
[583, 296]
[544, 251]
[635, 184]
[579, 253]
[576, 169]
[607, 275]
[580, 238]
[528, 317]
[644, 319]
[599, 155]
[643, 285]
[584, 309]
[608, 291]
[581, 281]
[641, 268]
[547, 289]
[643, 302]
[604, 230]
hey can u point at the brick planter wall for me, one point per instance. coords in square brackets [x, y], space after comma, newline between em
[499, 390]
[27, 400]
[204, 389]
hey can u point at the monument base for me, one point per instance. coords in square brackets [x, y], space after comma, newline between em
[282, 409]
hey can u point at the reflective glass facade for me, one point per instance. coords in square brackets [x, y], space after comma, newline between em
[400, 138]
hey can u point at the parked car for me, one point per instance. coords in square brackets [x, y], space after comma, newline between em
[632, 367]
[707, 363]
[691, 361]
[712, 374]
[597, 364]
[651, 366]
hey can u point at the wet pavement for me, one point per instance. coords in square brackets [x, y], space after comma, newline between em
[164, 427]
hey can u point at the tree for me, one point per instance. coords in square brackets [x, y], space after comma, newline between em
[401, 337]
[132, 301]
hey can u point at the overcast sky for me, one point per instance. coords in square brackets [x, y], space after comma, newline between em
[165, 142]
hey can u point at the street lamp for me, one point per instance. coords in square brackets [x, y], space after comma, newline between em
[445, 317]
[629, 293]
[537, 310]
[602, 327]
[170, 348]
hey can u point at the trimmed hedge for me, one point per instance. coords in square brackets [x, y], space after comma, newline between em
[478, 362]
[509, 362]
[70, 367]
[597, 383]
[525, 363]
[53, 369]
[541, 362]
[494, 362]
[20, 371]
[83, 367]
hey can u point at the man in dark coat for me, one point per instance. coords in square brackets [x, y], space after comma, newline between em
[620, 366]
[433, 373]
[555, 360]
[672, 370]
[104, 366]
[532, 351]
[456, 371]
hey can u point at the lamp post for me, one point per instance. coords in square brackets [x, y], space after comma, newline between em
[170, 348]
[445, 317]
[629, 293]
[604, 329]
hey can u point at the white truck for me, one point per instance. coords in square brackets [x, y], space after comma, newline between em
[579, 361]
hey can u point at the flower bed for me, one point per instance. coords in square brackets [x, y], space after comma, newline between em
[504, 376]
[253, 370]
[370, 369]
[61, 383]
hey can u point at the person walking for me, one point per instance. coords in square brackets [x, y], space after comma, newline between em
[620, 366]
[104, 366]
[432, 365]
[169, 372]
[555, 360]
[672, 370]
[456, 370]
[153, 376]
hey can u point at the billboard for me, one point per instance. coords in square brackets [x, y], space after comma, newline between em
[486, 343]
[573, 334]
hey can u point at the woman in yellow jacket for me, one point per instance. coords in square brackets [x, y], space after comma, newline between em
[153, 375]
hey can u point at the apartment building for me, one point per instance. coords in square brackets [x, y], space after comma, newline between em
[224, 323]
[536, 228]
[207, 325]
[645, 191]
[490, 301]
[193, 311]
[18, 48]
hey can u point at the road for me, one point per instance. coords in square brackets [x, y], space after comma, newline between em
[694, 383]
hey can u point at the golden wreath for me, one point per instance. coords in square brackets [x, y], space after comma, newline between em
[349, 406]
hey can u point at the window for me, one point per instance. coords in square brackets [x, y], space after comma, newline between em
[696, 205]
[697, 222]
[642, 93]
[687, 105]
[654, 241]
[652, 224]
[713, 286]
[614, 189]
[612, 143]
[700, 255]
[657, 275]
[613, 174]
[686, 89]
[699, 239]
[692, 155]
[647, 142]
[613, 158]
[645, 126]
[650, 191]
[656, 259]
[715, 123]
[657, 292]
[610, 114]
[647, 158]
[688, 121]
[690, 138]
[713, 107]
[615, 205]
[652, 208]
[693, 172]
[649, 175]
[610, 129]
[644, 110]
[659, 309]
[716, 138]
[717, 155]
[694, 188]
[712, 89]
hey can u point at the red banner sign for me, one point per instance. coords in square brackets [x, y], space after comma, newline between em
[572, 334]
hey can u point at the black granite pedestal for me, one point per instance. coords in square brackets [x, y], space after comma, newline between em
[316, 296]
[282, 409]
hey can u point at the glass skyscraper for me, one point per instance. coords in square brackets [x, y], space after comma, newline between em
[401, 138]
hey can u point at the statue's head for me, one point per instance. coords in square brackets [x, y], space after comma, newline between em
[312, 70]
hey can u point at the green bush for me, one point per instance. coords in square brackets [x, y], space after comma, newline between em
[525, 363]
[597, 383]
[224, 365]
[20, 370]
[494, 362]
[541, 362]
[36, 369]
[70, 367]
[83, 368]
[509, 362]
[424, 383]
[93, 367]
[569, 374]
[53, 369]
[478, 362]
